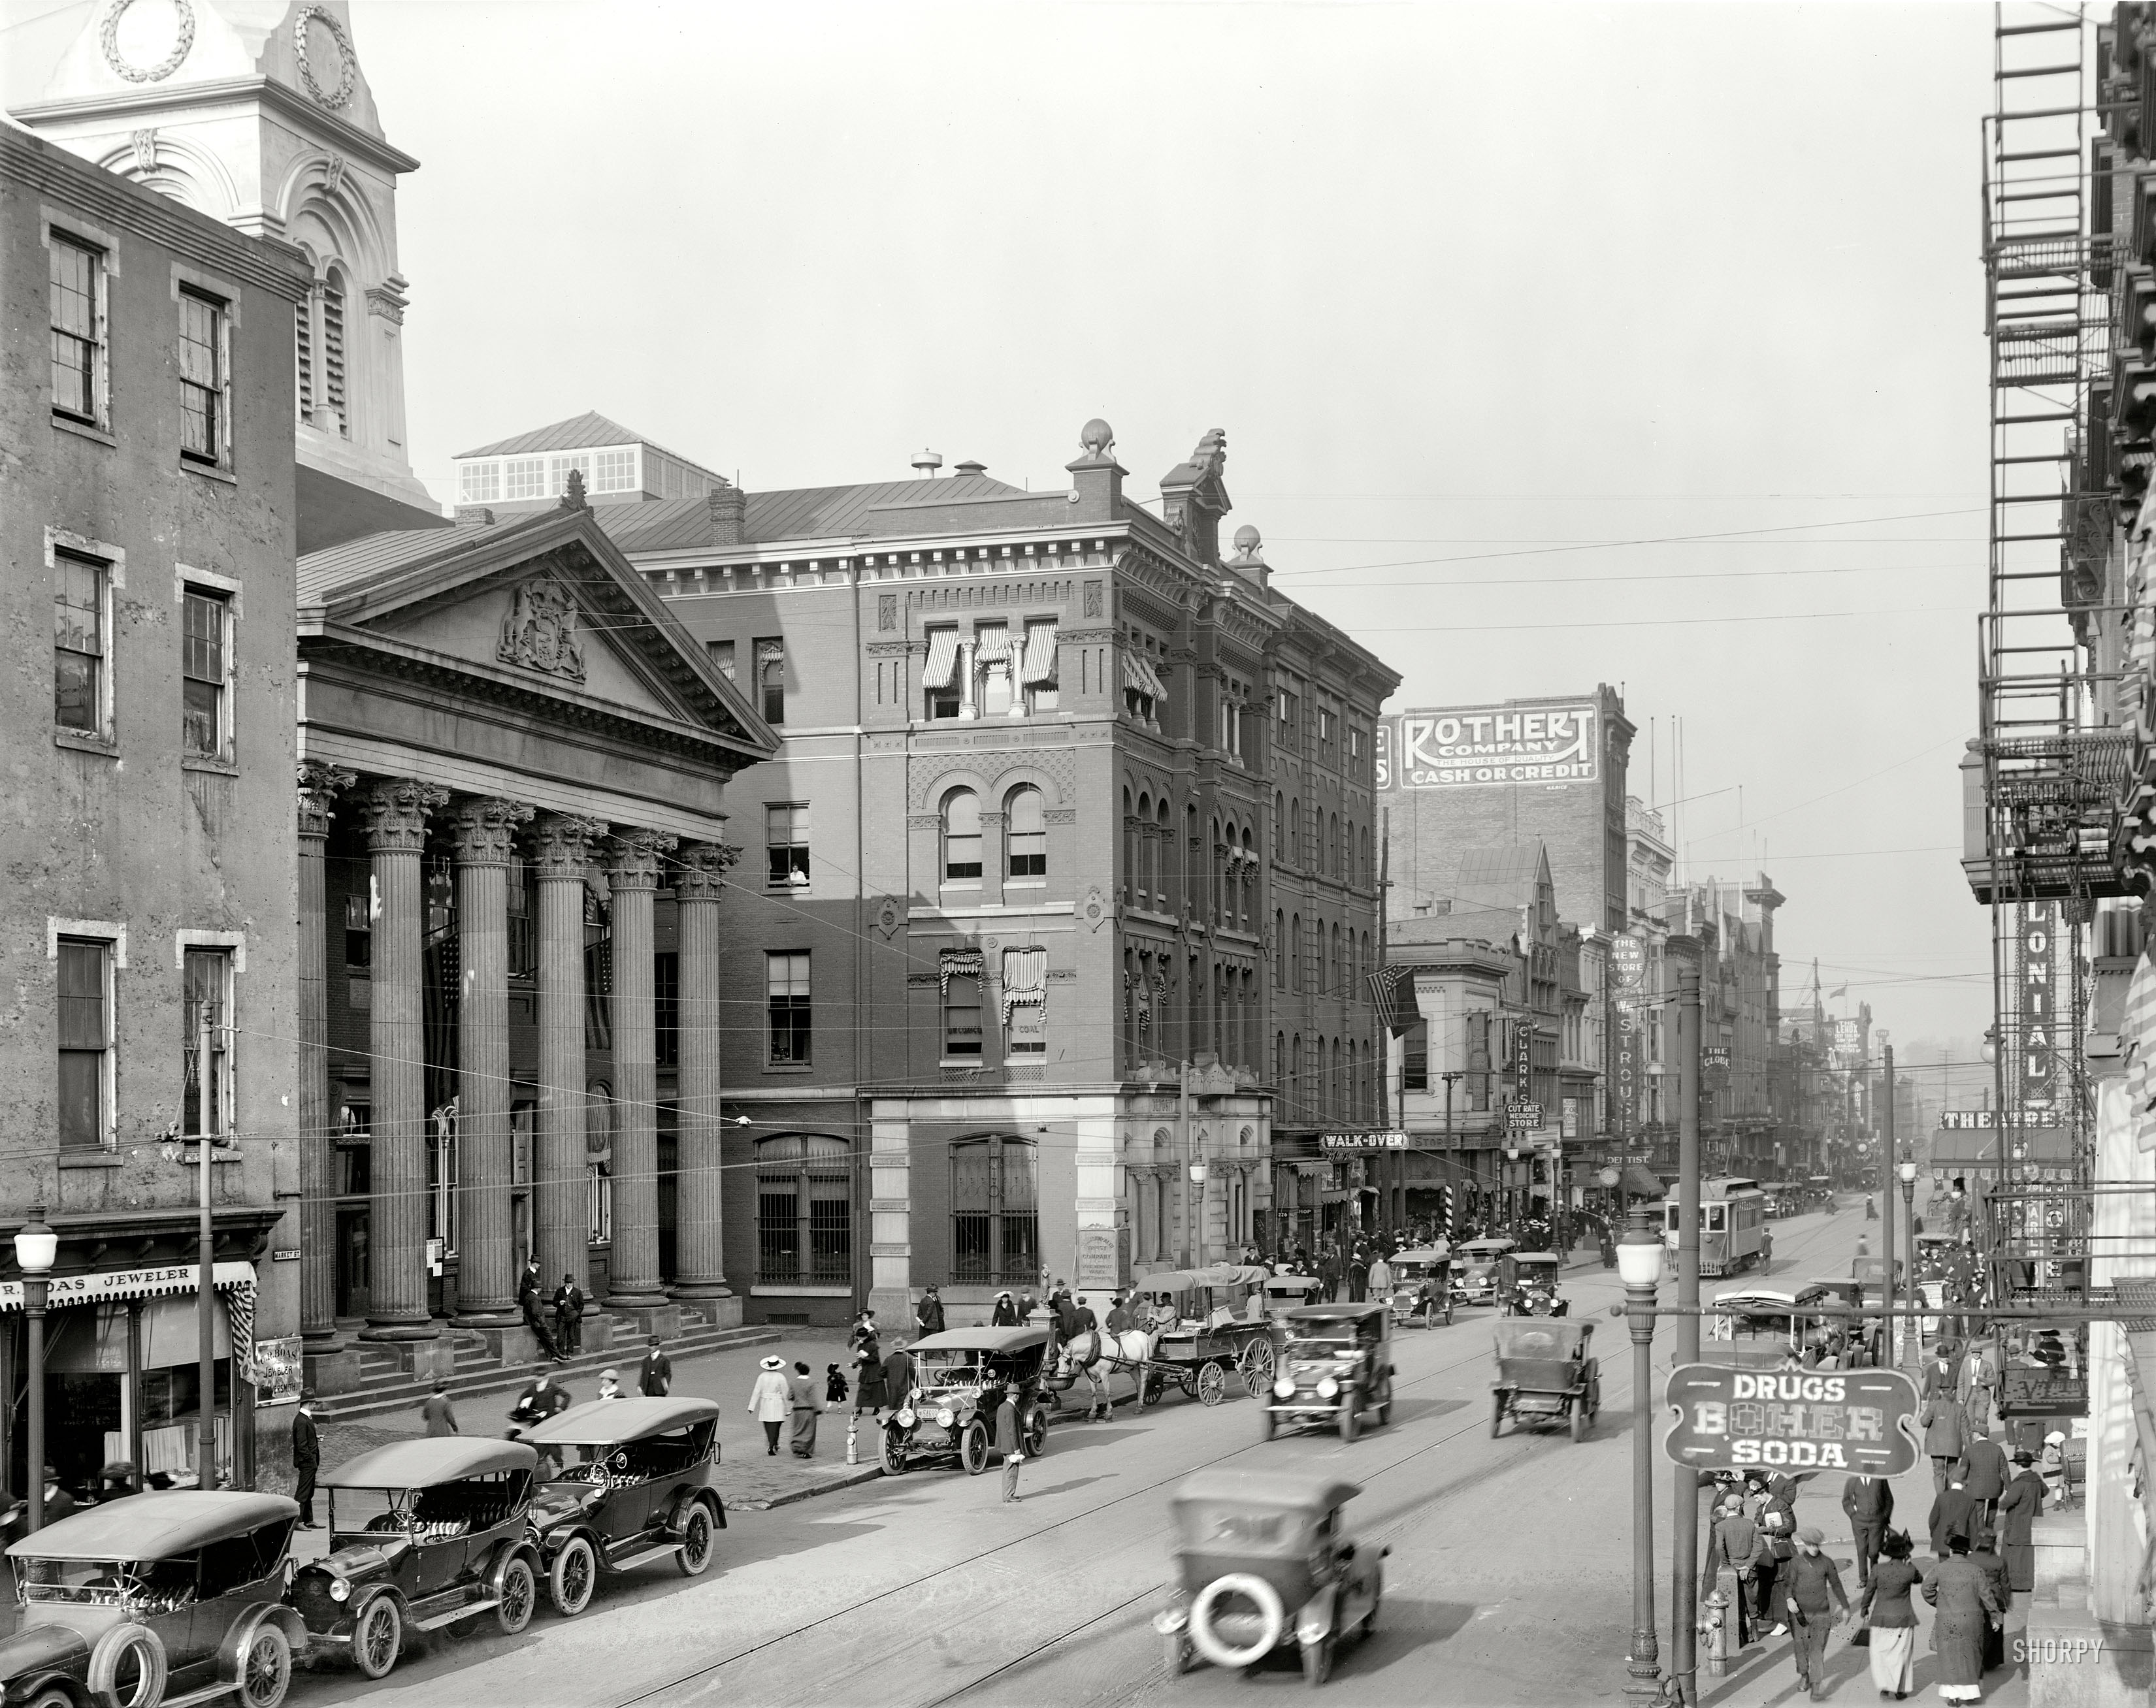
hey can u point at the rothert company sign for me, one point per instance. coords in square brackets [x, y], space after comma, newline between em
[1477, 745]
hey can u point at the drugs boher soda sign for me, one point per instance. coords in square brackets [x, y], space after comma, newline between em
[1476, 744]
[1846, 1420]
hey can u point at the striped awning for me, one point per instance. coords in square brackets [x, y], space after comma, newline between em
[147, 1281]
[942, 658]
[1040, 654]
[991, 643]
[1138, 672]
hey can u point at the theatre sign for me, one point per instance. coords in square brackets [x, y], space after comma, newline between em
[1474, 745]
[1849, 1420]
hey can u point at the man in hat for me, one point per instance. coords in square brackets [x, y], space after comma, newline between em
[569, 1314]
[306, 1459]
[771, 1401]
[1812, 1592]
[1954, 1514]
[1011, 1444]
[1005, 1315]
[439, 1416]
[1946, 1435]
[929, 1313]
[1868, 1501]
[1985, 1473]
[897, 1374]
[654, 1376]
[527, 1301]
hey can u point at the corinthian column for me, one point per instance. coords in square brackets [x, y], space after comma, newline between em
[633, 1278]
[562, 845]
[320, 785]
[396, 812]
[484, 833]
[700, 1243]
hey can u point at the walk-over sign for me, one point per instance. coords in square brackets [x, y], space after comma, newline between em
[1848, 1420]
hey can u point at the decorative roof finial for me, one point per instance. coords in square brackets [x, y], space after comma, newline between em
[573, 499]
[1096, 439]
[1249, 546]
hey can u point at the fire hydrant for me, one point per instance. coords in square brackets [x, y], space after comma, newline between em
[1714, 1628]
[852, 1451]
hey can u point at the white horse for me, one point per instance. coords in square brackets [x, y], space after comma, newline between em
[1096, 1357]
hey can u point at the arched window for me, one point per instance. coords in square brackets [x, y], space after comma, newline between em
[1025, 833]
[1280, 1059]
[1147, 854]
[962, 836]
[1163, 863]
[1221, 913]
[1280, 950]
[1279, 825]
[1335, 975]
[1295, 951]
[1366, 855]
[1336, 1087]
[1295, 1074]
[804, 1211]
[334, 393]
[1249, 871]
[1295, 832]
[1332, 845]
[995, 1215]
[1130, 848]
[1187, 861]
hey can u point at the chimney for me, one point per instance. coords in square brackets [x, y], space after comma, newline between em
[475, 516]
[927, 462]
[1096, 478]
[970, 467]
[729, 510]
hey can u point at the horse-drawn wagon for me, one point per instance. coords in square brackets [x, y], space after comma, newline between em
[1191, 1328]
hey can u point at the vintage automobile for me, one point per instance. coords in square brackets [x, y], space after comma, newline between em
[1861, 1338]
[1283, 1293]
[640, 1490]
[424, 1535]
[1263, 1562]
[1759, 1328]
[1479, 1264]
[1411, 1268]
[1534, 1290]
[959, 1379]
[1334, 1363]
[155, 1599]
[1545, 1375]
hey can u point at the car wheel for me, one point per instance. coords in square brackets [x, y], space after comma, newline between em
[519, 1591]
[51, 1696]
[695, 1553]
[894, 1454]
[1317, 1661]
[127, 1668]
[265, 1670]
[1036, 1434]
[973, 1448]
[1497, 1417]
[571, 1578]
[1211, 1383]
[1351, 1420]
[377, 1636]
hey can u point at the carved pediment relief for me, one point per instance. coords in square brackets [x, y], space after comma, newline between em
[540, 632]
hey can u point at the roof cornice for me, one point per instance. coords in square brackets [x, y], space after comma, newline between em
[131, 103]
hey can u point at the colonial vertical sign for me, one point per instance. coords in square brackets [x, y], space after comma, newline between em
[2037, 952]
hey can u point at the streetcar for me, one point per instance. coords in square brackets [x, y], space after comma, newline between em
[1732, 1224]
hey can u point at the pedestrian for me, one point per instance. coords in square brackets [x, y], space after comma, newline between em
[306, 1459]
[1734, 1541]
[834, 1386]
[1087, 1322]
[868, 1378]
[1381, 1279]
[1868, 1501]
[1953, 1515]
[1766, 1249]
[1984, 1557]
[1946, 1434]
[1358, 1277]
[863, 1330]
[1776, 1520]
[1892, 1616]
[542, 1398]
[1010, 1444]
[569, 1315]
[609, 1384]
[1939, 1371]
[2051, 1466]
[801, 1396]
[1429, 1297]
[929, 1313]
[654, 1376]
[1005, 1315]
[2019, 1508]
[897, 1375]
[527, 1301]
[1985, 1473]
[771, 1401]
[437, 1413]
[1966, 1605]
[1328, 1276]
[1812, 1593]
[1068, 1324]
[1119, 1317]
[1978, 1385]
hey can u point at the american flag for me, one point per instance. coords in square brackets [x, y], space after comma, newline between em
[1392, 988]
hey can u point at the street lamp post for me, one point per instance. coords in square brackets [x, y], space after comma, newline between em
[36, 1246]
[1908, 1173]
[1639, 1265]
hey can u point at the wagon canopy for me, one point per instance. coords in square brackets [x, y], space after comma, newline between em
[1225, 1274]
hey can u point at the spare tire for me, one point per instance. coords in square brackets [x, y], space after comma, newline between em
[127, 1669]
[1272, 1617]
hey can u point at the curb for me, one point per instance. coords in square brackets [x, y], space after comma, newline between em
[859, 1475]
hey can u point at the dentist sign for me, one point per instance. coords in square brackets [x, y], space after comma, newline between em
[1476, 745]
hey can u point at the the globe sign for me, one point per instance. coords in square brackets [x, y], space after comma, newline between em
[1851, 1420]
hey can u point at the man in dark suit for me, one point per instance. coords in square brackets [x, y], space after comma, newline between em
[929, 1312]
[1954, 1514]
[1983, 1473]
[1868, 1501]
[306, 1460]
[897, 1373]
[654, 1376]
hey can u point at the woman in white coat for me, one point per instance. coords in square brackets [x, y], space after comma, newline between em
[772, 1401]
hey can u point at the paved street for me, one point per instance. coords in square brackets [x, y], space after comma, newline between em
[1508, 1582]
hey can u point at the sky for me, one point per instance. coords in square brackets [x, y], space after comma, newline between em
[1553, 345]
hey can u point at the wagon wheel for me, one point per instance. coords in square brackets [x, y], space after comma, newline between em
[1150, 1389]
[1258, 1366]
[1212, 1383]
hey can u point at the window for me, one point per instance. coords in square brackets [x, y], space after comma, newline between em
[992, 658]
[995, 1222]
[1280, 950]
[771, 679]
[1414, 1057]
[558, 469]
[803, 1210]
[940, 678]
[86, 1028]
[1279, 826]
[1025, 834]
[786, 1003]
[1325, 735]
[721, 653]
[1354, 751]
[202, 378]
[962, 837]
[205, 983]
[615, 471]
[523, 477]
[1025, 1001]
[77, 315]
[1231, 728]
[358, 933]
[1295, 832]
[480, 483]
[666, 1009]
[205, 618]
[786, 842]
[1295, 951]
[333, 388]
[81, 586]
[958, 978]
[442, 1176]
[598, 1163]
[1039, 666]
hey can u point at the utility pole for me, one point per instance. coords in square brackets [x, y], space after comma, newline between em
[1888, 1158]
[1193, 1184]
[1684, 1562]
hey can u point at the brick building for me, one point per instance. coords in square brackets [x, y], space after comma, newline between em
[1060, 881]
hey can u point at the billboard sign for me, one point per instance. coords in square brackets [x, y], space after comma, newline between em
[1848, 1420]
[2036, 953]
[1479, 745]
[1628, 961]
[1356, 1143]
[1984, 1119]
[1626, 1100]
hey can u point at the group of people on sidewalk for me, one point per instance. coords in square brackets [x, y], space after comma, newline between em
[1980, 1529]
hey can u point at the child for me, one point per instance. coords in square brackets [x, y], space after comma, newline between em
[834, 1386]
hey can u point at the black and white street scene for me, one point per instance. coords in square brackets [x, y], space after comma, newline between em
[1077, 854]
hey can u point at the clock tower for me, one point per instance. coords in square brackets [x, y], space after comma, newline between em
[258, 112]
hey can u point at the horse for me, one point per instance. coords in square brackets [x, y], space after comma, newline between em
[1096, 1357]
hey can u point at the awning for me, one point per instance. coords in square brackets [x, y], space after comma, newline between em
[991, 643]
[942, 658]
[1039, 653]
[150, 1282]
[1026, 979]
[1138, 672]
[1641, 1182]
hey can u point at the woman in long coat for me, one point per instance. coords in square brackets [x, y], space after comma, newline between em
[1734, 1541]
[1966, 1604]
[2017, 1511]
[801, 1438]
[1892, 1616]
[868, 1382]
